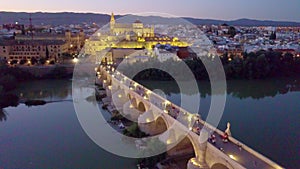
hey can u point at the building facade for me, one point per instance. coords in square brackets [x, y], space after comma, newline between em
[17, 50]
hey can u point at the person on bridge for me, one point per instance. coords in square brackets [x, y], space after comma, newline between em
[225, 138]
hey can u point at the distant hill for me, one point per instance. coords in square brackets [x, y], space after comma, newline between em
[243, 22]
[68, 18]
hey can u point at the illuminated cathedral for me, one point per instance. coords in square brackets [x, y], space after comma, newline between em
[134, 35]
[137, 28]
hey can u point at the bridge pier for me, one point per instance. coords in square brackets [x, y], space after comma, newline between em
[199, 161]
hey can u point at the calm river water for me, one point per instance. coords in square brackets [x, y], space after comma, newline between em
[264, 115]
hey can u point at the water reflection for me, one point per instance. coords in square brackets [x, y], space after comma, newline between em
[242, 89]
[45, 90]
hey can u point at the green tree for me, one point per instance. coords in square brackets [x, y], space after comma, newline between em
[232, 31]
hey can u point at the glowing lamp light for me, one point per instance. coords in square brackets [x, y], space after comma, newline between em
[190, 117]
[131, 106]
[169, 141]
[119, 95]
[148, 120]
[75, 60]
[232, 157]
[109, 87]
[166, 111]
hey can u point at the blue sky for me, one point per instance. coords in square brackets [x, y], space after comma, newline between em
[288, 10]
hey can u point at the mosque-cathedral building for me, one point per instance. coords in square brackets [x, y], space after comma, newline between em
[128, 38]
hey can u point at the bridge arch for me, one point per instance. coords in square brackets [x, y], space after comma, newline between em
[219, 163]
[141, 107]
[133, 102]
[129, 96]
[219, 166]
[161, 125]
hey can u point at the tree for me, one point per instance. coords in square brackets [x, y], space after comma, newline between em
[47, 52]
[232, 31]
[66, 56]
[262, 68]
[33, 60]
[273, 36]
[42, 61]
[22, 62]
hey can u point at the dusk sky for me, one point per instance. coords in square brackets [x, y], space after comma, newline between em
[288, 10]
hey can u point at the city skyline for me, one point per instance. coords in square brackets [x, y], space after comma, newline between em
[234, 9]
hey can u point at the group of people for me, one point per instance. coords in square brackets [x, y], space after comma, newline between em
[224, 137]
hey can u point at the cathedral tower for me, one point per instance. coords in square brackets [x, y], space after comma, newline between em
[112, 21]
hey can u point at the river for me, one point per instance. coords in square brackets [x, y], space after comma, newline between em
[263, 114]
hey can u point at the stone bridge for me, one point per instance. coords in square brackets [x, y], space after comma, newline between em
[180, 130]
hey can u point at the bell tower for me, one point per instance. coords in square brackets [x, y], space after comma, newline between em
[112, 21]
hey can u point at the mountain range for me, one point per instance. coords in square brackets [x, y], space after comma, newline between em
[67, 18]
